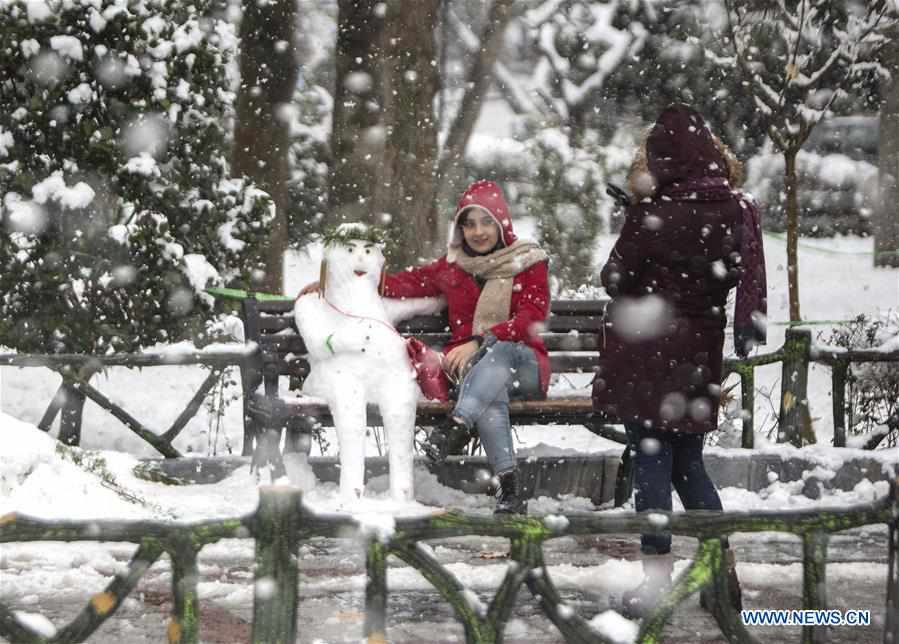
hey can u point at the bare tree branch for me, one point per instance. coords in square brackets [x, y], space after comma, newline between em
[517, 97]
[477, 81]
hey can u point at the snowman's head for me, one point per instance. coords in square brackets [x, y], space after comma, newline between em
[353, 256]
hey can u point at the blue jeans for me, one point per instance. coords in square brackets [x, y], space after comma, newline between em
[660, 459]
[507, 370]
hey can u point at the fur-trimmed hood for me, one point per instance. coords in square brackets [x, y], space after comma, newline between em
[677, 148]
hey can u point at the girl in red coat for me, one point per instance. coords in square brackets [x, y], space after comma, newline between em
[497, 296]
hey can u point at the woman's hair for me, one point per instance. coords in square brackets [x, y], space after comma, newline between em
[734, 165]
[640, 182]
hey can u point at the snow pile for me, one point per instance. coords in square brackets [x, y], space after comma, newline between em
[37, 623]
[614, 627]
[42, 478]
[54, 188]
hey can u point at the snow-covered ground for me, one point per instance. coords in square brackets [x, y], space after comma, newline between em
[51, 580]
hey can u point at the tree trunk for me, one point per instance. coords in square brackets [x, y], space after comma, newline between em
[477, 82]
[268, 73]
[72, 412]
[357, 138]
[794, 420]
[404, 189]
[577, 123]
[886, 217]
[791, 185]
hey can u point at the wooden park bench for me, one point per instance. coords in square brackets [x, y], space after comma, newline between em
[573, 338]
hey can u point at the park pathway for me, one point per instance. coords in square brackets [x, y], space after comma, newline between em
[590, 573]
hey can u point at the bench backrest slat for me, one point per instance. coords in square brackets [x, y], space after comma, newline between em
[573, 362]
[573, 335]
[275, 323]
[559, 362]
[293, 343]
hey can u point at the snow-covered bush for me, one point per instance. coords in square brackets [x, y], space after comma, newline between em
[568, 203]
[872, 397]
[837, 193]
[117, 202]
[310, 129]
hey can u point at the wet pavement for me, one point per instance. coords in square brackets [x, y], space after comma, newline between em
[590, 573]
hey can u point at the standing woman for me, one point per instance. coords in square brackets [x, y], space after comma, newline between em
[687, 240]
[497, 294]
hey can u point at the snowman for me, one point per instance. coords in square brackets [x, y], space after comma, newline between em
[356, 356]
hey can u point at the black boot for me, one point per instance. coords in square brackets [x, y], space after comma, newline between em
[734, 592]
[449, 438]
[509, 498]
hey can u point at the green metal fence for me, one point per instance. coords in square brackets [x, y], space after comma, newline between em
[796, 355]
[281, 522]
[77, 370]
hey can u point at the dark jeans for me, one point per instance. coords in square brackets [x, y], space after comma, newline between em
[660, 459]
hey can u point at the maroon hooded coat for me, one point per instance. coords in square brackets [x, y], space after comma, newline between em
[669, 275]
[529, 307]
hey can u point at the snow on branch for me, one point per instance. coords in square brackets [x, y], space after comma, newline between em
[544, 13]
[548, 48]
[513, 91]
[580, 47]
[789, 54]
[619, 45]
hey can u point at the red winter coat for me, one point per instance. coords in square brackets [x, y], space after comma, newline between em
[530, 288]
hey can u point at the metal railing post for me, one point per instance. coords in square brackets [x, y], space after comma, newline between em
[276, 596]
[794, 387]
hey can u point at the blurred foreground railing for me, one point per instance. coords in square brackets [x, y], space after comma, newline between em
[281, 523]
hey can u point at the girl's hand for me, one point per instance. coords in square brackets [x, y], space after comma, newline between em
[458, 357]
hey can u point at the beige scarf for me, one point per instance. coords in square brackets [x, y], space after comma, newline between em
[498, 268]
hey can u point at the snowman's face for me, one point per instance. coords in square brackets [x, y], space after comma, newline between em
[354, 260]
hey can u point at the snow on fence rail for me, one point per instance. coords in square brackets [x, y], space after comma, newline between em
[281, 522]
[796, 354]
[77, 369]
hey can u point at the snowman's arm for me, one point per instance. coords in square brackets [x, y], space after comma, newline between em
[399, 309]
[314, 322]
[421, 281]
